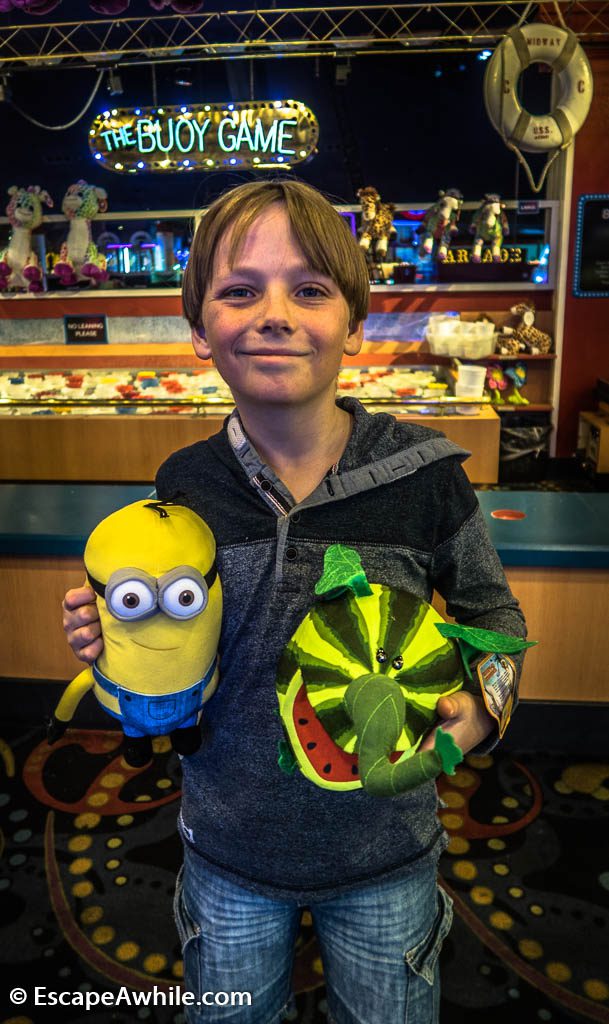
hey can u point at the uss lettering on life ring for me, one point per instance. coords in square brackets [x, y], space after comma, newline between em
[547, 44]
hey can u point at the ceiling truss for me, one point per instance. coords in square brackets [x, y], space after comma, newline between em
[334, 31]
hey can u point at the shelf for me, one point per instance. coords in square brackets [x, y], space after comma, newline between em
[92, 293]
[176, 354]
[531, 407]
[48, 357]
[498, 358]
[497, 286]
[80, 294]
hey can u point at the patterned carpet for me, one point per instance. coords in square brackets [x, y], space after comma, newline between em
[90, 854]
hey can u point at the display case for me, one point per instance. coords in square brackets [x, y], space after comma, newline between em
[150, 249]
[69, 423]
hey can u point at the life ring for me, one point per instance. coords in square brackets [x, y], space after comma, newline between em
[551, 45]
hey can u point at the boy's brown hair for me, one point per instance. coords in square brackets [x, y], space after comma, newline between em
[321, 232]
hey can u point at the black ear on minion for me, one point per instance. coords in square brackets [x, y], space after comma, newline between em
[153, 566]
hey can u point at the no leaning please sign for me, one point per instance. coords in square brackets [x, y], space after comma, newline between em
[207, 137]
[85, 329]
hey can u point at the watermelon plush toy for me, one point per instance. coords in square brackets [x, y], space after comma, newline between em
[359, 681]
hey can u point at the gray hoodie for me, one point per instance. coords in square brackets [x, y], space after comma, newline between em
[400, 497]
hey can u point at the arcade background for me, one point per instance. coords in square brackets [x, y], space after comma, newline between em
[409, 125]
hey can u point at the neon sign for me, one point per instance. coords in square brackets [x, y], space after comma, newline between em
[207, 137]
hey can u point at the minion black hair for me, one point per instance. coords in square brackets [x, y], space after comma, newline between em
[160, 507]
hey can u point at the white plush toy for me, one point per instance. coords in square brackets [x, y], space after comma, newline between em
[489, 225]
[19, 266]
[441, 223]
[79, 259]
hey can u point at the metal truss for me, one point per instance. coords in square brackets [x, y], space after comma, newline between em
[304, 31]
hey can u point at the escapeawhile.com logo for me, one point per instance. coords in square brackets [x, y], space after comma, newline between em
[174, 996]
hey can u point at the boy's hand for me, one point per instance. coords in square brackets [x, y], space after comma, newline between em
[465, 717]
[81, 623]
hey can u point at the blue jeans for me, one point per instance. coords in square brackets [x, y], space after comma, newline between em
[379, 945]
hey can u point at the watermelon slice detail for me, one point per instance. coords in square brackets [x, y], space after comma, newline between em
[326, 759]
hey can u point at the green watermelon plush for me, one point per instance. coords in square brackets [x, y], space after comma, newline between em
[359, 681]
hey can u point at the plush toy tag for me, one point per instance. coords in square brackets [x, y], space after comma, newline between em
[496, 675]
[343, 572]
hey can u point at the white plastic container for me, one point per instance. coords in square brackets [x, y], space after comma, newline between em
[470, 382]
[448, 336]
[467, 391]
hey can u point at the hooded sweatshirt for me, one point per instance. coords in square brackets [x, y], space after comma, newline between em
[400, 497]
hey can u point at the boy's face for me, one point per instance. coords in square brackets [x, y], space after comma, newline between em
[276, 329]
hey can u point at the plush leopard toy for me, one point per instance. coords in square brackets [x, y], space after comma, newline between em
[377, 230]
[521, 335]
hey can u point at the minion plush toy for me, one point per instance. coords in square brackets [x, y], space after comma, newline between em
[152, 565]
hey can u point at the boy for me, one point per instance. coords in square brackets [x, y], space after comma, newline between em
[276, 291]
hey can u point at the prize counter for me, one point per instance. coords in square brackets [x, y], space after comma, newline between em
[116, 415]
[554, 548]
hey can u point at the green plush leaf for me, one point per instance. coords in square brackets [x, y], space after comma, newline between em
[474, 641]
[343, 571]
[286, 759]
[450, 753]
[484, 640]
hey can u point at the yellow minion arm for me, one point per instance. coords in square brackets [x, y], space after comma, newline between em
[73, 695]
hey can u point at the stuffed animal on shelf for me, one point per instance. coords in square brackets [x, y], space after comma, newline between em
[19, 266]
[509, 344]
[519, 334]
[496, 383]
[153, 567]
[440, 224]
[79, 259]
[518, 376]
[376, 229]
[359, 681]
[489, 225]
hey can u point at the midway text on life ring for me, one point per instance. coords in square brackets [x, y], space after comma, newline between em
[547, 44]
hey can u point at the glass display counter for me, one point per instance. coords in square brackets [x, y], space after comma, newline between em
[203, 391]
[110, 424]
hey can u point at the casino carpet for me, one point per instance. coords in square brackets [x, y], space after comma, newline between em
[90, 853]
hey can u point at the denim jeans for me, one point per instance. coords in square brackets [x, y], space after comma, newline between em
[379, 945]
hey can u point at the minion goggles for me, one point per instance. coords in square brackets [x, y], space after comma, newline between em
[132, 594]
